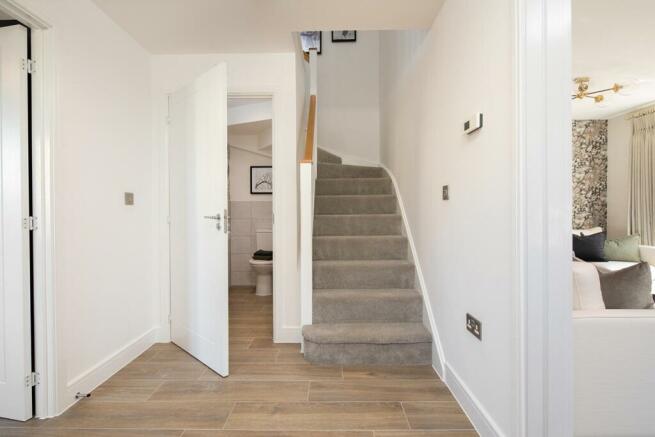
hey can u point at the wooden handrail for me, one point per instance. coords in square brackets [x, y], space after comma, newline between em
[311, 123]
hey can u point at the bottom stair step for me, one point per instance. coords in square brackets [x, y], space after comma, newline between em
[367, 343]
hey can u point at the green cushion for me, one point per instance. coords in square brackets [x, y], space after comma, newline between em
[623, 249]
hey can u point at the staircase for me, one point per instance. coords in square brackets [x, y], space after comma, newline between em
[365, 307]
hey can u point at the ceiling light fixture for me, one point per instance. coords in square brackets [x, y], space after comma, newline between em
[598, 96]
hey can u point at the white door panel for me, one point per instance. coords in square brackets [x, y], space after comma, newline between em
[198, 197]
[15, 331]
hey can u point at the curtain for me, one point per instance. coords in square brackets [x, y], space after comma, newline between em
[642, 177]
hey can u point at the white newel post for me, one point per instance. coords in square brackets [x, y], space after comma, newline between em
[307, 183]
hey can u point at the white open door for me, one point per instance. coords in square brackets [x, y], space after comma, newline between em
[15, 331]
[198, 205]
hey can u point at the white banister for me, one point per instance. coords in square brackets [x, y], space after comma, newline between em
[308, 169]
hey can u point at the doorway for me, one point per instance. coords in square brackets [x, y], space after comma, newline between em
[250, 157]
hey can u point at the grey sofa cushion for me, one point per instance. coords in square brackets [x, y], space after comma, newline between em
[628, 288]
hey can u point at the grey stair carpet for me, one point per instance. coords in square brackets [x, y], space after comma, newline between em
[365, 306]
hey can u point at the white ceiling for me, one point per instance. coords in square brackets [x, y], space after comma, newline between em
[5, 16]
[247, 26]
[613, 42]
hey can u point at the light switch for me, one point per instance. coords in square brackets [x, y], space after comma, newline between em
[444, 192]
[129, 199]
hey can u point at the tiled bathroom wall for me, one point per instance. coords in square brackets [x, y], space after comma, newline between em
[245, 218]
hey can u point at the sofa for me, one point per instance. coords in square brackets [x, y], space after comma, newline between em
[614, 360]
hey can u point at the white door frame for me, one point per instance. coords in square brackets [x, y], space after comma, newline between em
[544, 222]
[232, 93]
[43, 138]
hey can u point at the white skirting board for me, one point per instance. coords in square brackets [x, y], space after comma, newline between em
[476, 413]
[438, 360]
[101, 372]
[479, 417]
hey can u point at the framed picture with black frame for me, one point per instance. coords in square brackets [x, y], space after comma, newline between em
[261, 179]
[312, 40]
[344, 36]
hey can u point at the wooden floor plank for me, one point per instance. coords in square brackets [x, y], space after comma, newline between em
[426, 434]
[228, 390]
[436, 415]
[282, 372]
[390, 372]
[229, 433]
[144, 415]
[317, 416]
[379, 390]
[50, 432]
[267, 342]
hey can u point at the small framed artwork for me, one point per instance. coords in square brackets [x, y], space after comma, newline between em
[261, 179]
[344, 36]
[312, 40]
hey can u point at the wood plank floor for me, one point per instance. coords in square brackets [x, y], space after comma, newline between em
[271, 392]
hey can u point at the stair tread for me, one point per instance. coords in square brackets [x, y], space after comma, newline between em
[349, 165]
[373, 215]
[355, 195]
[366, 293]
[365, 179]
[377, 262]
[367, 333]
[360, 237]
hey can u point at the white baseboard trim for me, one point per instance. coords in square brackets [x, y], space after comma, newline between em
[438, 360]
[96, 375]
[479, 417]
[288, 334]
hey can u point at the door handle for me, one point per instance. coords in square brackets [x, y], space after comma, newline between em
[216, 217]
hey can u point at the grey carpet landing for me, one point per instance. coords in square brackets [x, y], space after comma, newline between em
[366, 309]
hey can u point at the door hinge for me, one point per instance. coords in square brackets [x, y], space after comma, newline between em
[30, 223]
[28, 65]
[32, 380]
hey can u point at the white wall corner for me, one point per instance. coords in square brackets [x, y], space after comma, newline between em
[477, 414]
[438, 359]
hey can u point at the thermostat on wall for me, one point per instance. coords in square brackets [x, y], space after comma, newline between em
[472, 124]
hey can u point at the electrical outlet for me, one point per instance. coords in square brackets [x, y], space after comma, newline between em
[474, 326]
[444, 192]
[129, 199]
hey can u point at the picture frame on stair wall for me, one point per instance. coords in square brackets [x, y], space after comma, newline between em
[261, 179]
[344, 36]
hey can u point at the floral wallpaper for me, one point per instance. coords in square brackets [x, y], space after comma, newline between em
[589, 174]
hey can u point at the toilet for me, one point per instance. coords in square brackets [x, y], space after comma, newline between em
[263, 269]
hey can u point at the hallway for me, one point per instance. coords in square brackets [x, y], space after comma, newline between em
[271, 391]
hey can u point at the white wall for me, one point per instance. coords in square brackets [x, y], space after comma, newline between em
[105, 282]
[265, 73]
[349, 97]
[431, 82]
[619, 138]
